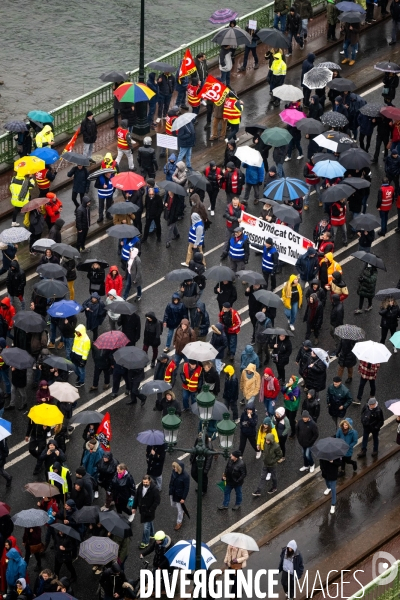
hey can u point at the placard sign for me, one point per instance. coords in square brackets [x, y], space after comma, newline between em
[167, 141]
[252, 24]
[289, 244]
[56, 477]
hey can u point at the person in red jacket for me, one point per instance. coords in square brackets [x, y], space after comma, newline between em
[384, 204]
[313, 182]
[397, 230]
[7, 311]
[230, 319]
[338, 219]
[53, 209]
[114, 281]
[269, 391]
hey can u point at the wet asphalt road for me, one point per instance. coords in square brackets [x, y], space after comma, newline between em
[128, 421]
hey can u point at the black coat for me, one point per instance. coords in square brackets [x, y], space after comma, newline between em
[171, 215]
[312, 405]
[329, 470]
[231, 389]
[83, 216]
[179, 484]
[337, 314]
[89, 131]
[235, 472]
[346, 358]
[148, 503]
[123, 489]
[284, 350]
[390, 316]
[103, 359]
[130, 325]
[164, 405]
[4, 452]
[316, 321]
[372, 420]
[68, 545]
[81, 184]
[154, 206]
[97, 279]
[155, 462]
[55, 231]
[152, 330]
[255, 305]
[303, 358]
[147, 159]
[95, 315]
[307, 433]
[315, 376]
[36, 222]
[228, 293]
[16, 279]
[106, 470]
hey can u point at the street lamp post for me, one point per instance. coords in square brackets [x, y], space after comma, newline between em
[226, 430]
[141, 126]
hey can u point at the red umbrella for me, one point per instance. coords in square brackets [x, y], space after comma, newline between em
[111, 340]
[391, 112]
[33, 204]
[128, 181]
[4, 509]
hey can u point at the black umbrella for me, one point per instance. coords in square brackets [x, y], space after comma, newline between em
[220, 273]
[310, 126]
[171, 186]
[87, 514]
[198, 180]
[267, 298]
[251, 277]
[123, 208]
[371, 110]
[277, 331]
[96, 174]
[351, 17]
[255, 130]
[366, 257]
[273, 37]
[69, 531]
[350, 332]
[87, 265]
[334, 119]
[20, 359]
[329, 448]
[358, 183]
[162, 66]
[341, 84]
[123, 231]
[365, 222]
[337, 192]
[58, 362]
[355, 158]
[121, 308]
[114, 77]
[51, 271]
[287, 214]
[51, 288]
[115, 524]
[88, 417]
[66, 250]
[387, 66]
[180, 275]
[131, 357]
[231, 36]
[388, 293]
[29, 321]
[76, 159]
[318, 156]
[155, 387]
[15, 126]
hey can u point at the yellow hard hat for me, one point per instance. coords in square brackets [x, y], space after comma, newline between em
[159, 535]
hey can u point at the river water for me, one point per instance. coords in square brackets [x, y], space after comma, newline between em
[55, 50]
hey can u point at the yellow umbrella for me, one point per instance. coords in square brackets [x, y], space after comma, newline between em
[46, 414]
[29, 165]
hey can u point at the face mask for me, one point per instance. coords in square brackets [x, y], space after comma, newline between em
[120, 475]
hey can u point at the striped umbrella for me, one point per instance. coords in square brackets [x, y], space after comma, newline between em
[98, 550]
[5, 429]
[286, 188]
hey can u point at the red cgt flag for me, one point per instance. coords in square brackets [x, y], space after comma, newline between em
[104, 433]
[72, 141]
[214, 90]
[187, 65]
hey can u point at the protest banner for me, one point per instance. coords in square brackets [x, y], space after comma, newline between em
[167, 141]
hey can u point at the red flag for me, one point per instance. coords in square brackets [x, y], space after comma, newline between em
[188, 65]
[72, 141]
[214, 90]
[104, 433]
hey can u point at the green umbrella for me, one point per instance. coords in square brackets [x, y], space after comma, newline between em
[276, 136]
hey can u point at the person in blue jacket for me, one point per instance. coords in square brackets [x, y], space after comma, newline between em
[170, 167]
[350, 436]
[186, 142]
[8, 255]
[181, 87]
[174, 312]
[307, 265]
[178, 489]
[92, 455]
[16, 568]
[254, 178]
[151, 83]
[248, 356]
[366, 129]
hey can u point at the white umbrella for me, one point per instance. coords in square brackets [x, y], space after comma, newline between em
[322, 355]
[290, 93]
[249, 156]
[183, 555]
[371, 352]
[183, 120]
[200, 351]
[323, 142]
[64, 392]
[317, 78]
[5, 429]
[240, 540]
[394, 407]
[42, 244]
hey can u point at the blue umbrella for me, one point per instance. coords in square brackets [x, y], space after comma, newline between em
[64, 309]
[49, 155]
[286, 188]
[183, 555]
[41, 116]
[5, 429]
[151, 437]
[350, 7]
[329, 169]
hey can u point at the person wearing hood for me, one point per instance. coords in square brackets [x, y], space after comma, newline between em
[113, 317]
[53, 209]
[307, 265]
[248, 419]
[134, 274]
[272, 454]
[82, 223]
[168, 401]
[281, 352]
[348, 434]
[332, 14]
[338, 286]
[79, 354]
[7, 313]
[106, 471]
[184, 334]
[89, 134]
[9, 251]
[92, 454]
[269, 391]
[307, 434]
[234, 475]
[346, 358]
[366, 287]
[81, 183]
[248, 356]
[231, 392]
[103, 363]
[219, 341]
[303, 358]
[316, 288]
[307, 65]
[80, 495]
[15, 283]
[43, 395]
[50, 456]
[291, 400]
[96, 276]
[195, 238]
[282, 426]
[315, 110]
[390, 313]
[250, 382]
[152, 335]
[114, 281]
[314, 316]
[230, 156]
[155, 457]
[95, 313]
[311, 404]
[254, 179]
[201, 321]
[170, 167]
[372, 420]
[291, 562]
[16, 568]
[174, 312]
[45, 137]
[351, 38]
[55, 231]
[338, 399]
[178, 490]
[277, 75]
[292, 298]
[315, 376]
[197, 264]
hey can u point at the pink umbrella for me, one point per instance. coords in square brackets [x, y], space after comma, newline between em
[223, 15]
[291, 116]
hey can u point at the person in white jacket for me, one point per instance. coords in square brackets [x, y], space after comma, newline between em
[112, 296]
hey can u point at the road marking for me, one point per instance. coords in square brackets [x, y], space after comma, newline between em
[376, 87]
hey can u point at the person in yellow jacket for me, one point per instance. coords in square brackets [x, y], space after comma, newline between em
[79, 354]
[20, 195]
[292, 298]
[250, 382]
[266, 427]
[327, 267]
[277, 75]
[45, 137]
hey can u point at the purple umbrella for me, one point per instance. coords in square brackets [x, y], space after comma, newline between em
[223, 15]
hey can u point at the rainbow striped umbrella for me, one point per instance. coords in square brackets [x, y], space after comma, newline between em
[133, 92]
